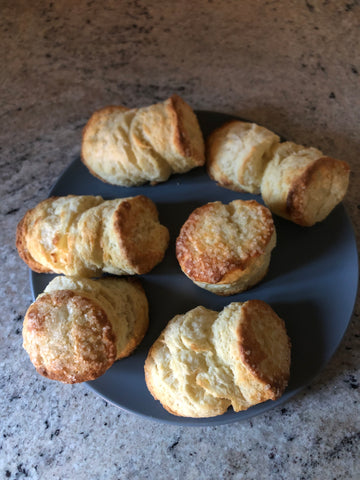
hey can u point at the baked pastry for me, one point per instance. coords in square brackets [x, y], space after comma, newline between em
[302, 185]
[86, 235]
[78, 328]
[226, 248]
[205, 361]
[298, 183]
[133, 146]
[237, 154]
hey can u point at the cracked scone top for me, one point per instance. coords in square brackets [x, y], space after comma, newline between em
[205, 361]
[226, 248]
[78, 328]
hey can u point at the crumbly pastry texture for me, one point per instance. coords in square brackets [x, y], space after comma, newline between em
[78, 328]
[205, 361]
[298, 183]
[237, 154]
[86, 235]
[302, 185]
[130, 147]
[226, 248]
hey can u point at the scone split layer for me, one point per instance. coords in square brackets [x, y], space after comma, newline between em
[226, 248]
[302, 185]
[204, 361]
[86, 235]
[237, 154]
[78, 328]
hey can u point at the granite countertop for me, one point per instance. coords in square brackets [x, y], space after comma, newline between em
[289, 65]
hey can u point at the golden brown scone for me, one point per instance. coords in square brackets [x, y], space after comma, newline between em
[226, 248]
[132, 146]
[205, 361]
[86, 235]
[77, 328]
[237, 154]
[302, 185]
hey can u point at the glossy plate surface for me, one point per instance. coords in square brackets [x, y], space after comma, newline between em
[311, 284]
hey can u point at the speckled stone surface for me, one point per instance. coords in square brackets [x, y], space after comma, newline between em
[293, 66]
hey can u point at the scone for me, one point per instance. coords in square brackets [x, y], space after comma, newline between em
[86, 235]
[205, 361]
[302, 185]
[130, 147]
[78, 328]
[298, 183]
[226, 249]
[237, 154]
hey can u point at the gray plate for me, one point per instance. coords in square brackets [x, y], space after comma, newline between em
[311, 284]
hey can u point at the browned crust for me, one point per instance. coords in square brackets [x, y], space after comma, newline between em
[35, 321]
[181, 138]
[295, 198]
[131, 240]
[21, 244]
[205, 268]
[92, 122]
[252, 353]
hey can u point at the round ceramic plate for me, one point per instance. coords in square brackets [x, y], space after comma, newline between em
[311, 284]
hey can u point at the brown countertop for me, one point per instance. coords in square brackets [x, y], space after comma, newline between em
[291, 66]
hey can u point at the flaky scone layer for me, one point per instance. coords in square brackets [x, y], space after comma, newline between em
[237, 154]
[302, 185]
